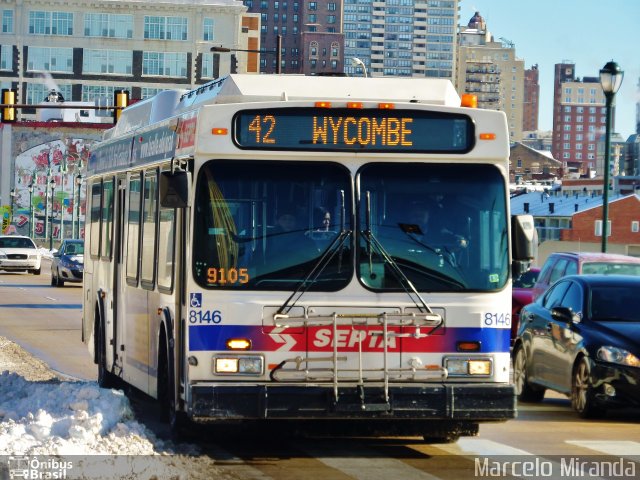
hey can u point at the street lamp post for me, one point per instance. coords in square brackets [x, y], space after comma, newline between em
[31, 220]
[76, 204]
[355, 62]
[277, 52]
[52, 184]
[63, 172]
[46, 205]
[13, 195]
[610, 78]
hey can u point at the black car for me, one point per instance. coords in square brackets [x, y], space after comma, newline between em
[582, 338]
[68, 263]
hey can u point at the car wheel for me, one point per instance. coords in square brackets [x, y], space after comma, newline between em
[59, 281]
[524, 390]
[54, 282]
[582, 393]
[36, 271]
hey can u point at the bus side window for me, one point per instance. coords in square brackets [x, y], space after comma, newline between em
[133, 229]
[94, 228]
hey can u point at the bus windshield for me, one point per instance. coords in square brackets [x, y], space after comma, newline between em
[441, 227]
[273, 225]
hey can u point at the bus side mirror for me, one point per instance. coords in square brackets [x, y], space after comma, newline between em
[524, 238]
[174, 189]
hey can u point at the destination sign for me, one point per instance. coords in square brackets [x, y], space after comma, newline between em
[415, 131]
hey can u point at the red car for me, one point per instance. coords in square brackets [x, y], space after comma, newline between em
[522, 295]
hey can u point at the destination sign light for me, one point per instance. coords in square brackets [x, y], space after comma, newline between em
[414, 131]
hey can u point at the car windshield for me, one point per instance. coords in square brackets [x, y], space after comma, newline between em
[527, 279]
[615, 303]
[16, 242]
[611, 268]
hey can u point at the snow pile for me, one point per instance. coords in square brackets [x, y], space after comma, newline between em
[68, 418]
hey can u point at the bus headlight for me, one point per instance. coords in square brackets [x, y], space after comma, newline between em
[243, 365]
[464, 366]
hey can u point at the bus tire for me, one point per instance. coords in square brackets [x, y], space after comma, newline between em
[176, 420]
[450, 432]
[106, 379]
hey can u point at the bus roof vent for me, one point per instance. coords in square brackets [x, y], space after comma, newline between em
[243, 88]
[148, 111]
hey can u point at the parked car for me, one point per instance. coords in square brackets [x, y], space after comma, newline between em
[582, 338]
[67, 264]
[522, 295]
[561, 264]
[19, 253]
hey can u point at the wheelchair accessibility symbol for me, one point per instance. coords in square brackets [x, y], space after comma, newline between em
[196, 300]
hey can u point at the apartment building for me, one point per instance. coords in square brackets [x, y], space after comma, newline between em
[531, 106]
[491, 70]
[87, 50]
[306, 33]
[401, 38]
[579, 118]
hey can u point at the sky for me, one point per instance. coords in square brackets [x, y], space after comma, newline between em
[588, 33]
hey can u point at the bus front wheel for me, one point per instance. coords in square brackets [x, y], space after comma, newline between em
[177, 420]
[106, 379]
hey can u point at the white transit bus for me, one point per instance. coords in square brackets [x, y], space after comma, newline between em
[257, 250]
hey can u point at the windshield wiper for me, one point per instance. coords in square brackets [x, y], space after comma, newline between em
[407, 285]
[334, 247]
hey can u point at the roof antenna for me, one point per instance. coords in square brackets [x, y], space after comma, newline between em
[284, 97]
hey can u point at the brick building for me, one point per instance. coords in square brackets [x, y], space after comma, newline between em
[527, 164]
[624, 222]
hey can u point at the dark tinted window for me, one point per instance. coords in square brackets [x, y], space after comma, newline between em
[615, 303]
[553, 297]
[573, 298]
[527, 279]
[558, 270]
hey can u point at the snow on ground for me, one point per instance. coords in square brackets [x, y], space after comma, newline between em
[42, 414]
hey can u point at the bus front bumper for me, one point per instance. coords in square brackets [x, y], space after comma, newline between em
[449, 401]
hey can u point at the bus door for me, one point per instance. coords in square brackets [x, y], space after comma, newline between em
[131, 302]
[118, 249]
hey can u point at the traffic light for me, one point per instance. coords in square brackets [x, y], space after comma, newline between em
[120, 99]
[234, 63]
[9, 98]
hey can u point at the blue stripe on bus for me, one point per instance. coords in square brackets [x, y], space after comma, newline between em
[214, 337]
[71, 306]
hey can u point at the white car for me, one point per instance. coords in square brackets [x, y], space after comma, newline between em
[19, 253]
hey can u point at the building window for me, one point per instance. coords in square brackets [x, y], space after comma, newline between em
[50, 23]
[332, 7]
[598, 228]
[635, 226]
[38, 92]
[313, 5]
[207, 30]
[92, 92]
[210, 65]
[163, 64]
[107, 61]
[165, 28]
[6, 57]
[7, 21]
[45, 59]
[108, 25]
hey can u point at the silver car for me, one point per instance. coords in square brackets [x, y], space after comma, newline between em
[19, 253]
[67, 264]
